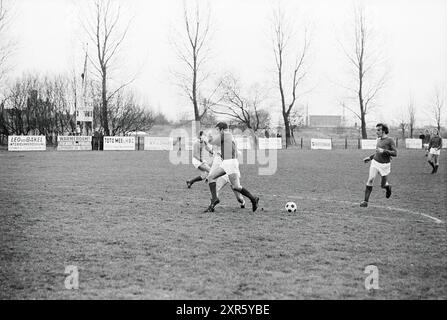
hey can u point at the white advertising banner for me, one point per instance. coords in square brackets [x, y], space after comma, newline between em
[270, 143]
[27, 143]
[243, 143]
[368, 144]
[74, 143]
[119, 143]
[159, 143]
[324, 144]
[84, 115]
[413, 143]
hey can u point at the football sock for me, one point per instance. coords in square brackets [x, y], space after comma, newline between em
[213, 190]
[198, 178]
[432, 165]
[368, 192]
[246, 193]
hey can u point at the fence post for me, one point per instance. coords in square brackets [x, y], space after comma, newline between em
[346, 143]
[359, 145]
[301, 142]
[179, 143]
[397, 142]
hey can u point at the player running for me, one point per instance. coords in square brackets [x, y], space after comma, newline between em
[222, 181]
[201, 151]
[434, 148]
[229, 165]
[426, 141]
[200, 154]
[380, 162]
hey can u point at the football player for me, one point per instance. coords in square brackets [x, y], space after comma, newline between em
[230, 166]
[380, 162]
[434, 148]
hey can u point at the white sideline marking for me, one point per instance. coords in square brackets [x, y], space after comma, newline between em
[436, 220]
[375, 206]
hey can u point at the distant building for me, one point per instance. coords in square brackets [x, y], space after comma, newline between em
[325, 121]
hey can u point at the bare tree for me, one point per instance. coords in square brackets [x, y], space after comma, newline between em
[437, 108]
[191, 46]
[126, 114]
[403, 125]
[365, 64]
[38, 105]
[297, 120]
[6, 45]
[243, 107]
[411, 116]
[105, 32]
[289, 75]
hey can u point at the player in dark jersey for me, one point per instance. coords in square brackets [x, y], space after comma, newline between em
[434, 148]
[229, 165]
[380, 162]
[426, 141]
[202, 161]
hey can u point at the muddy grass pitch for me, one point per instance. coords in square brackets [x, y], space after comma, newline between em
[133, 230]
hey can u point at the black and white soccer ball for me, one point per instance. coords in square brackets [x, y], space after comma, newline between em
[291, 207]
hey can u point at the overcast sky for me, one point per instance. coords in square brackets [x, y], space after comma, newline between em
[412, 34]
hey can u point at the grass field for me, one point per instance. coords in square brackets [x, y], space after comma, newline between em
[134, 231]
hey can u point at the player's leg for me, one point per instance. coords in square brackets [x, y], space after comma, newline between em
[430, 161]
[436, 162]
[239, 197]
[385, 185]
[384, 171]
[222, 182]
[369, 185]
[212, 183]
[204, 168]
[235, 182]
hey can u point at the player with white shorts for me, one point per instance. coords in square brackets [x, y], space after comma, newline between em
[222, 181]
[229, 166]
[434, 148]
[380, 162]
[205, 164]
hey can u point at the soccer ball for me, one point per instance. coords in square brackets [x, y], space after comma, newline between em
[290, 207]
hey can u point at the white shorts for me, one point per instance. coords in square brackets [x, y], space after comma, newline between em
[426, 146]
[217, 161]
[231, 166]
[196, 163]
[436, 152]
[383, 169]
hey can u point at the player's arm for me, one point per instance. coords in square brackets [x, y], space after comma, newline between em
[208, 147]
[440, 143]
[392, 151]
[367, 159]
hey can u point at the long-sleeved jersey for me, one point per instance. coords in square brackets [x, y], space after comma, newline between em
[389, 150]
[435, 142]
